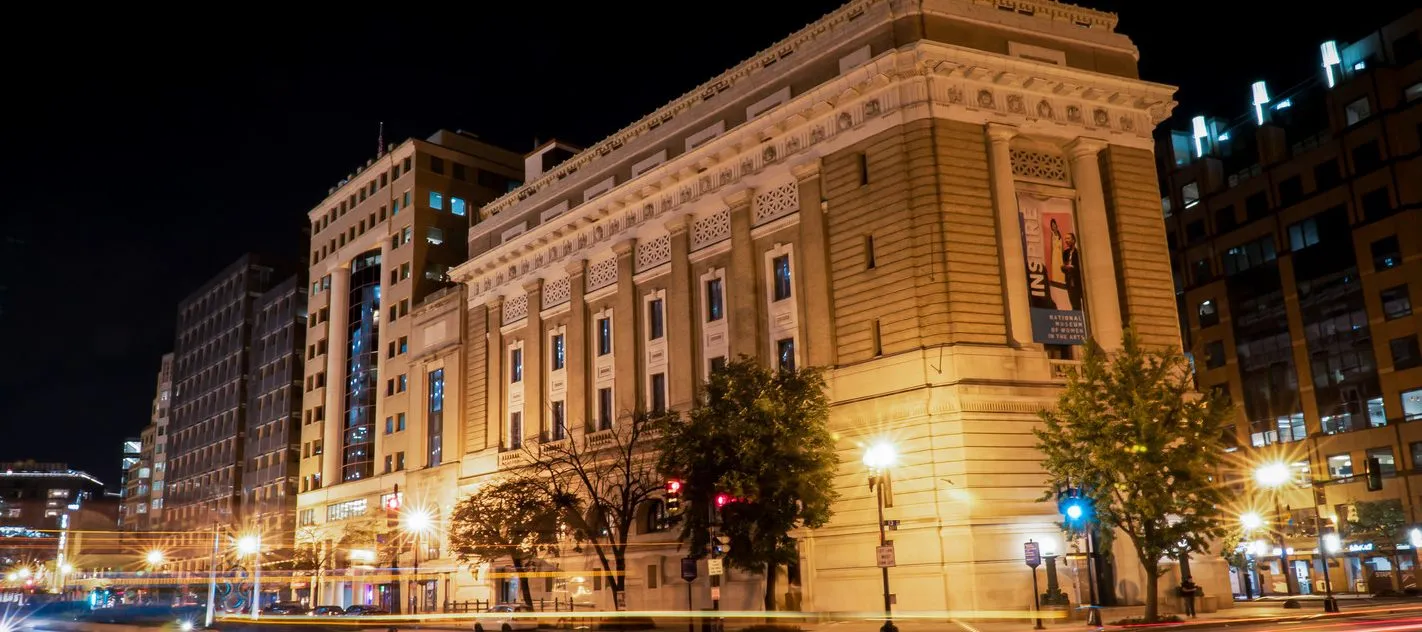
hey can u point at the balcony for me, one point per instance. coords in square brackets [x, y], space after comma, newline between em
[512, 459]
[600, 439]
[1062, 368]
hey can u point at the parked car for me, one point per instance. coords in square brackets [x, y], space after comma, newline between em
[327, 611]
[285, 607]
[361, 611]
[505, 618]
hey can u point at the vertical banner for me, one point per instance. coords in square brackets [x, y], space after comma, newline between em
[1052, 249]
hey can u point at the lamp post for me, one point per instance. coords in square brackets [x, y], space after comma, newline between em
[1250, 521]
[417, 522]
[252, 545]
[879, 458]
[1272, 476]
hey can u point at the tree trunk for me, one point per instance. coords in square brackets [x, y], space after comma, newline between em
[770, 569]
[1152, 588]
[523, 583]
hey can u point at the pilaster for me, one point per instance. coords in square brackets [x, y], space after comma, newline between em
[817, 333]
[1009, 233]
[626, 313]
[533, 334]
[1103, 305]
[742, 293]
[337, 345]
[494, 378]
[680, 314]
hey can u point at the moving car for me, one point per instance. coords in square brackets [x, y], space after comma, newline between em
[361, 611]
[505, 618]
[285, 607]
[327, 611]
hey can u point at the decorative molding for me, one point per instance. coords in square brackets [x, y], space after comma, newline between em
[1039, 165]
[515, 308]
[653, 252]
[601, 274]
[557, 292]
[775, 203]
[711, 229]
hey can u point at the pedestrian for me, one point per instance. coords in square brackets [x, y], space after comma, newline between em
[1188, 590]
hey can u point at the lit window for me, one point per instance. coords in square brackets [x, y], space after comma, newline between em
[781, 266]
[515, 366]
[1386, 253]
[785, 351]
[1396, 302]
[715, 302]
[1340, 466]
[656, 327]
[404, 383]
[604, 336]
[1190, 194]
[434, 236]
[1412, 405]
[436, 200]
[558, 352]
[1209, 313]
[1386, 464]
[456, 206]
[559, 420]
[1358, 110]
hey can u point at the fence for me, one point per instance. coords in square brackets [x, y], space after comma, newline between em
[539, 605]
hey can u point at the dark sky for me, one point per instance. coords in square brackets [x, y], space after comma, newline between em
[142, 153]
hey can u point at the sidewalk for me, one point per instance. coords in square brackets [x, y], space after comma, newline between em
[1252, 612]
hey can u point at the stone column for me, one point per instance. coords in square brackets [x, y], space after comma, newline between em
[1103, 305]
[626, 305]
[575, 347]
[742, 294]
[533, 361]
[494, 384]
[337, 344]
[817, 333]
[680, 314]
[1009, 234]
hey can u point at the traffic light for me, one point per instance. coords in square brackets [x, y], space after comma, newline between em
[1374, 474]
[1075, 506]
[672, 497]
[724, 499]
[392, 508]
[720, 545]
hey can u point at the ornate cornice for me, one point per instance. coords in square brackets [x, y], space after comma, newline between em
[949, 82]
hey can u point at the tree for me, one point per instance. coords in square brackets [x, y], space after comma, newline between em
[1132, 433]
[763, 437]
[512, 518]
[599, 485]
[1378, 523]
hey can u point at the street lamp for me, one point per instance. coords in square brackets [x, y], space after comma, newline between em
[1273, 476]
[154, 557]
[252, 545]
[1251, 521]
[879, 458]
[417, 522]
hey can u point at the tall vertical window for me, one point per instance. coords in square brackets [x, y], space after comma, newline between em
[656, 328]
[1358, 111]
[876, 339]
[557, 352]
[515, 430]
[604, 336]
[559, 417]
[1412, 405]
[781, 267]
[604, 408]
[456, 206]
[869, 261]
[515, 366]
[362, 358]
[715, 301]
[659, 392]
[785, 352]
[436, 200]
[435, 419]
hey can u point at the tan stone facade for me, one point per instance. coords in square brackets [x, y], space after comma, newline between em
[846, 199]
[882, 162]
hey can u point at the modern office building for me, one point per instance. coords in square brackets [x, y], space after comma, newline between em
[935, 201]
[162, 398]
[383, 240]
[211, 397]
[40, 503]
[1295, 231]
[273, 429]
[130, 464]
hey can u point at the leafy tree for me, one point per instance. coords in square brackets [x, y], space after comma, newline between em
[511, 518]
[1379, 523]
[763, 437]
[1130, 430]
[599, 485]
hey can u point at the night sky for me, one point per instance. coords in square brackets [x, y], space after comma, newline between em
[142, 154]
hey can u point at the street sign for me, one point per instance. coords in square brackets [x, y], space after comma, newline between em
[1032, 551]
[886, 556]
[715, 566]
[715, 593]
[892, 525]
[688, 569]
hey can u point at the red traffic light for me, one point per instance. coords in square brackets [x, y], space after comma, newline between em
[392, 503]
[673, 486]
[724, 499]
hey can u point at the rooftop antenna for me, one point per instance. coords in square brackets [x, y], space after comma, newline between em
[380, 141]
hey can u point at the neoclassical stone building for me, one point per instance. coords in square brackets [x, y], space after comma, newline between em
[934, 200]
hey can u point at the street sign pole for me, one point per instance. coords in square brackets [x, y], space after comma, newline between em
[1032, 552]
[688, 573]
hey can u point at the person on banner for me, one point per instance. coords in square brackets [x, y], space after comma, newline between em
[1071, 268]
